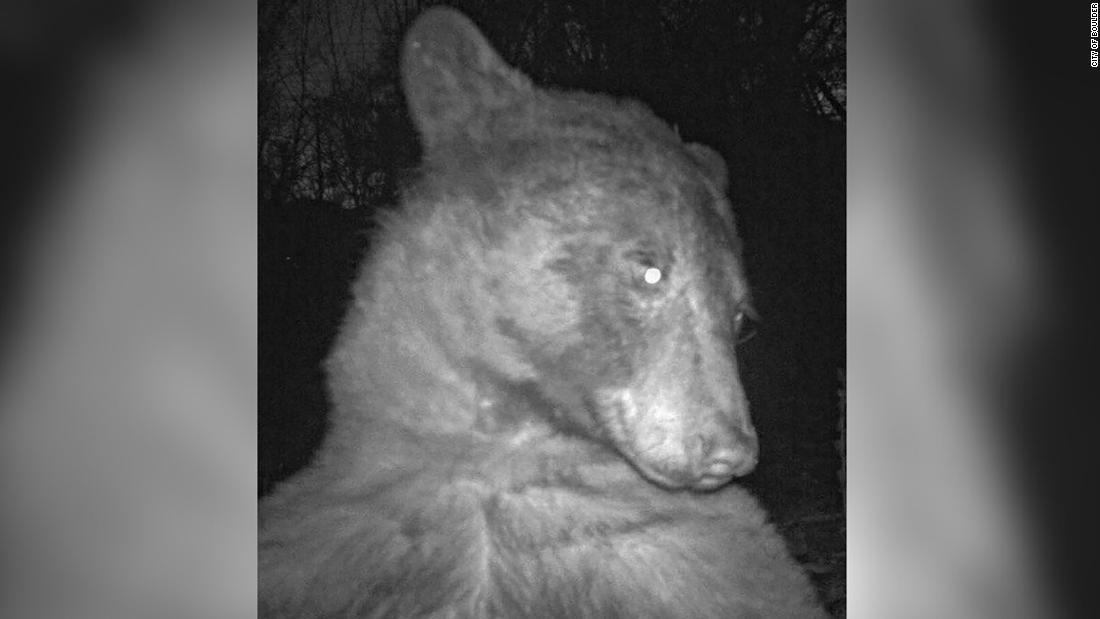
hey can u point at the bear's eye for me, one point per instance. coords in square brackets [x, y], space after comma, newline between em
[647, 269]
[652, 275]
[744, 325]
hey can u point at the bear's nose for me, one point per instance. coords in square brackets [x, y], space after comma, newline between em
[722, 460]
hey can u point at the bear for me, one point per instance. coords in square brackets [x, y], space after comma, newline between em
[536, 409]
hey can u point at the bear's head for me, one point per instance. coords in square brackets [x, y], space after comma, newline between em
[595, 257]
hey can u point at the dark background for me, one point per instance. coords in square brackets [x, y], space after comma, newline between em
[762, 82]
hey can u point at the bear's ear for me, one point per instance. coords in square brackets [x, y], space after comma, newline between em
[453, 77]
[714, 166]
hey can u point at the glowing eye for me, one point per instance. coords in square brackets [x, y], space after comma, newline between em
[652, 275]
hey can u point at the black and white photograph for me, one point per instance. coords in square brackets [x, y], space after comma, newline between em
[580, 308]
[574, 313]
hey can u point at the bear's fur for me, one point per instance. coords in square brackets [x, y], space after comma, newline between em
[535, 391]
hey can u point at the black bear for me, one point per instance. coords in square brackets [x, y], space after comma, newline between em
[536, 407]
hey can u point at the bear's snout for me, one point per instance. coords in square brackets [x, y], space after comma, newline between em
[725, 456]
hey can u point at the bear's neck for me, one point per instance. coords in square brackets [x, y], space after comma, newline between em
[404, 361]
